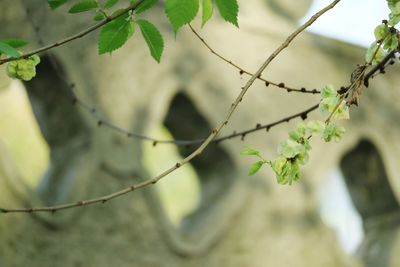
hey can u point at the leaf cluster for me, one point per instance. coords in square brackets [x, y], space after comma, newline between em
[179, 13]
[294, 151]
[386, 35]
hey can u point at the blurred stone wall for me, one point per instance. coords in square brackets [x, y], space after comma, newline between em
[240, 221]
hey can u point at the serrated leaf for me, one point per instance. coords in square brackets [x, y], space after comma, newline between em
[229, 10]
[207, 11]
[110, 3]
[56, 3]
[83, 6]
[147, 4]
[8, 50]
[152, 37]
[256, 167]
[15, 43]
[114, 34]
[181, 12]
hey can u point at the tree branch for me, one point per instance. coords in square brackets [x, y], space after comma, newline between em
[243, 71]
[200, 149]
[75, 36]
[379, 67]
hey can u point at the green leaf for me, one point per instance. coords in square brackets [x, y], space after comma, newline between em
[56, 3]
[328, 91]
[290, 149]
[99, 16]
[24, 69]
[229, 10]
[8, 50]
[327, 105]
[381, 31]
[152, 37]
[110, 3]
[147, 4]
[391, 42]
[315, 127]
[392, 4]
[15, 43]
[286, 171]
[256, 167]
[278, 165]
[250, 152]
[369, 56]
[395, 8]
[114, 34]
[207, 11]
[342, 112]
[181, 12]
[131, 29]
[333, 132]
[394, 19]
[83, 6]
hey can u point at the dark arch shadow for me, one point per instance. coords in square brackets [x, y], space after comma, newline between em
[214, 167]
[367, 180]
[369, 187]
[62, 126]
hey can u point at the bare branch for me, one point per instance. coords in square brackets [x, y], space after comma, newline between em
[200, 149]
[243, 71]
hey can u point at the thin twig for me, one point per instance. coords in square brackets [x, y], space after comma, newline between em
[355, 83]
[75, 36]
[200, 149]
[243, 71]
